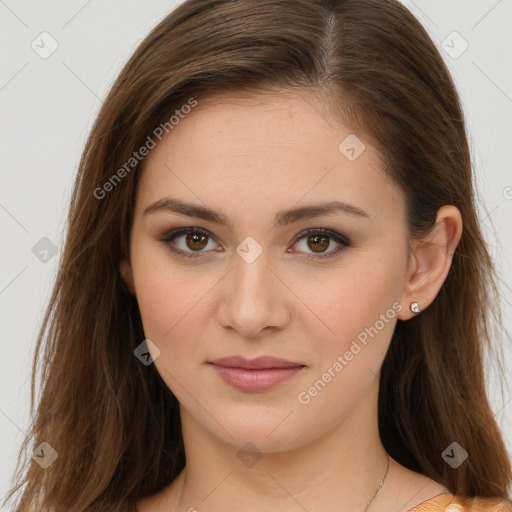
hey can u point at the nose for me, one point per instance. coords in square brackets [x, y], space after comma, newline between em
[254, 298]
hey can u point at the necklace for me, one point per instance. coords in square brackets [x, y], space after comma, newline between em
[378, 488]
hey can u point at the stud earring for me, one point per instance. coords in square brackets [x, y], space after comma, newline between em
[415, 307]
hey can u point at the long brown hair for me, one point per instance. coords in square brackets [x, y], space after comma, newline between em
[112, 420]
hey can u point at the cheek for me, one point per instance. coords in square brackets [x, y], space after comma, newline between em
[358, 305]
[361, 308]
[170, 306]
[167, 294]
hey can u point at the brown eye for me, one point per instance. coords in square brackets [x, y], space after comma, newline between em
[318, 243]
[196, 241]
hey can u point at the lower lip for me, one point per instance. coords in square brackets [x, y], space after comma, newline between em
[255, 380]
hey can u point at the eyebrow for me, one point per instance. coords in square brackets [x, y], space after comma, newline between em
[282, 218]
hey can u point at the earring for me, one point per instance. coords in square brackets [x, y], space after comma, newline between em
[415, 307]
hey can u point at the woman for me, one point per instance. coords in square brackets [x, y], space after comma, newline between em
[274, 293]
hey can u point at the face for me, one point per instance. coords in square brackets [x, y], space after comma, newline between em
[321, 290]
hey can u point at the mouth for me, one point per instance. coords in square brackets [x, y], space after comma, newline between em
[256, 375]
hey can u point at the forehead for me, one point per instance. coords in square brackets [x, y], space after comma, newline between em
[265, 149]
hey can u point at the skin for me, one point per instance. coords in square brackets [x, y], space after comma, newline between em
[251, 157]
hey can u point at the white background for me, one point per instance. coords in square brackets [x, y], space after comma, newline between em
[48, 106]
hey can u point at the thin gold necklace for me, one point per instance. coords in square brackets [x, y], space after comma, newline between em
[378, 488]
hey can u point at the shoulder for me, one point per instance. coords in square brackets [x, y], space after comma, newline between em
[479, 505]
[451, 503]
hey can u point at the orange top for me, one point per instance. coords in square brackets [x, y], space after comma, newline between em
[451, 503]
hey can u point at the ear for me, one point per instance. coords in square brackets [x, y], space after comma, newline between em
[430, 261]
[125, 269]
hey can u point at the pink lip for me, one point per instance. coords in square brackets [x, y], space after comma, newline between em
[256, 375]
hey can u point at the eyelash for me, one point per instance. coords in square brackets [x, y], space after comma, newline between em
[337, 237]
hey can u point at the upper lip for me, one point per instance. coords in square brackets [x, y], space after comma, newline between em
[255, 364]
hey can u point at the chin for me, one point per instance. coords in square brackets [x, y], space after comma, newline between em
[265, 432]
